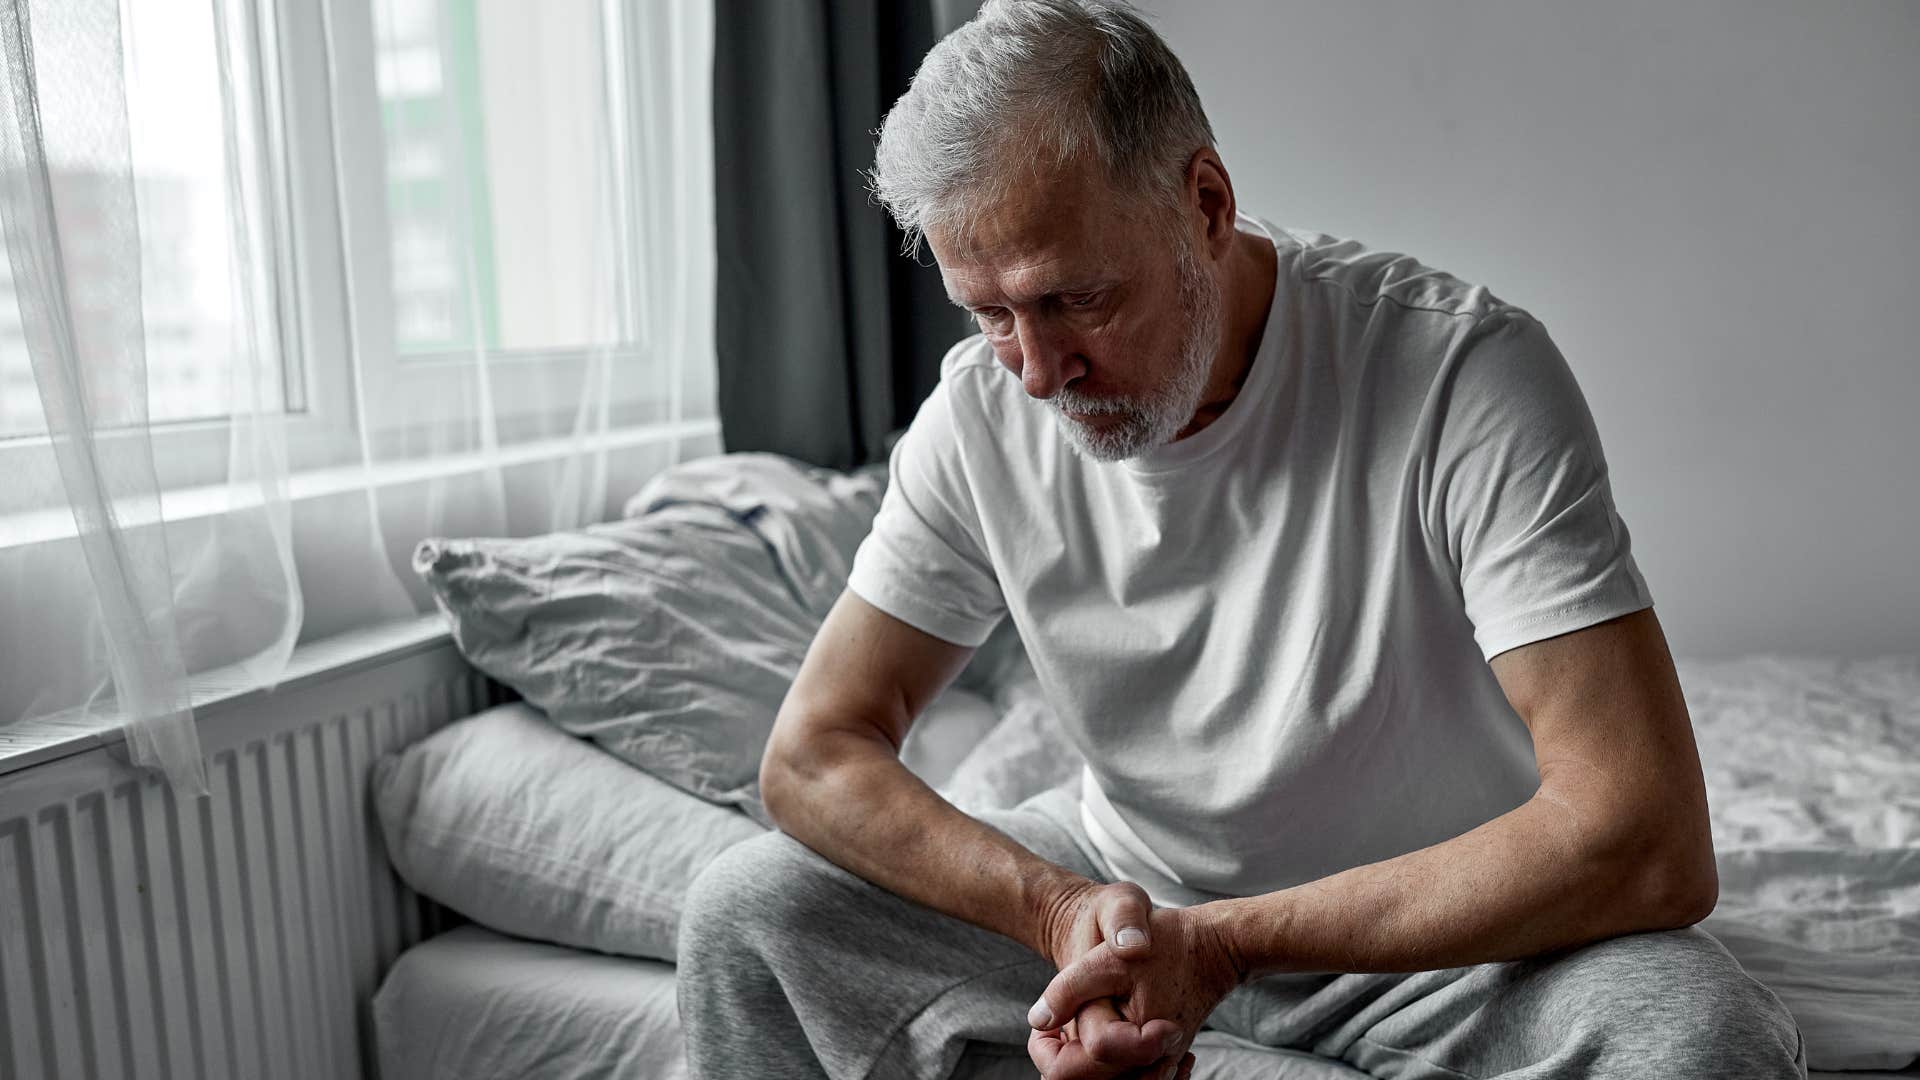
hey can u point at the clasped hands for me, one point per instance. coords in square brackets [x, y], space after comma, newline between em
[1134, 985]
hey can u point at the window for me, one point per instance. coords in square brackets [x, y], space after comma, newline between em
[459, 185]
[182, 205]
[472, 296]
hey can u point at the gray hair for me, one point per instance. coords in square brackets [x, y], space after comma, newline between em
[1054, 80]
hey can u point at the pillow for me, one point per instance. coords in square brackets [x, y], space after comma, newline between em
[525, 829]
[811, 519]
[669, 641]
[669, 638]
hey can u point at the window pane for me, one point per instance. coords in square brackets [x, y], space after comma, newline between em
[175, 131]
[499, 159]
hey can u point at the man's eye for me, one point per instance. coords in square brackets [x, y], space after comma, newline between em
[990, 315]
[1081, 300]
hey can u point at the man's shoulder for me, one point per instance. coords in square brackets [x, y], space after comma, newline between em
[1361, 281]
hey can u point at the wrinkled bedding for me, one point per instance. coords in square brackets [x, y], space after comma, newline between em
[1809, 753]
[1813, 779]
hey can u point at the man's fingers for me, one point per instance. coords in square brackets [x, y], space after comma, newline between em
[1061, 1055]
[1122, 918]
[1044, 1047]
[1112, 1040]
[1164, 1034]
[1176, 1064]
[1067, 1060]
[1098, 974]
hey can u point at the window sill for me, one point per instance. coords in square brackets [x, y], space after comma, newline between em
[50, 738]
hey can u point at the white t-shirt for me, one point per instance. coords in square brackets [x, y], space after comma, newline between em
[1270, 638]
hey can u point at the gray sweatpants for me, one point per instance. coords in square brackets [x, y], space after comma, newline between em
[791, 967]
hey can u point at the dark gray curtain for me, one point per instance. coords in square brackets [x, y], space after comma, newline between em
[828, 337]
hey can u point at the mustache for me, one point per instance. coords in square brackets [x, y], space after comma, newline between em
[1065, 400]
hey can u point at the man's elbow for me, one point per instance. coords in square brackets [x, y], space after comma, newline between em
[1683, 889]
[805, 756]
[1666, 877]
[1645, 873]
[782, 773]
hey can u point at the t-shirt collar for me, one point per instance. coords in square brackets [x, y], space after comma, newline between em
[1255, 389]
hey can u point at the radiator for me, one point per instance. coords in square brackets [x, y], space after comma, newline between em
[241, 935]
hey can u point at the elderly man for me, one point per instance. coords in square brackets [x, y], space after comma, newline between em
[1313, 550]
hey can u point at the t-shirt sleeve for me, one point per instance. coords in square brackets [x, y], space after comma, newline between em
[925, 562]
[1520, 496]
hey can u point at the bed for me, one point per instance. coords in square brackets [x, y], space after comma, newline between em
[534, 821]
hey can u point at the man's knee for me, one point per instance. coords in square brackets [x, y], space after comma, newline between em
[757, 887]
[1678, 998]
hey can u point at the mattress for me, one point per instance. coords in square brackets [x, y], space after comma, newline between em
[478, 1005]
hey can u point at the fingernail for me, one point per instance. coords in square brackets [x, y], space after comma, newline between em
[1040, 1017]
[1131, 938]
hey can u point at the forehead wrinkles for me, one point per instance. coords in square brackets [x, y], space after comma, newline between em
[1046, 240]
[1019, 281]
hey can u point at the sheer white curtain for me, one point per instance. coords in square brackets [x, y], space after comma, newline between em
[375, 270]
[524, 192]
[74, 180]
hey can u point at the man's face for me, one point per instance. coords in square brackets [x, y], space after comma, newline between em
[1098, 310]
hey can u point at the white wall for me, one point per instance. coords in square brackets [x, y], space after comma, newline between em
[1712, 206]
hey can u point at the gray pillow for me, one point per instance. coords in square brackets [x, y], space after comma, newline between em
[668, 638]
[523, 828]
[528, 830]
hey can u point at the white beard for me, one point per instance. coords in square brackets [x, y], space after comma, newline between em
[1157, 416]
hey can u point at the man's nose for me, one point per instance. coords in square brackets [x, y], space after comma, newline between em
[1047, 363]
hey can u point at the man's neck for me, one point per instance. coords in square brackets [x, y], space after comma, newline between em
[1253, 271]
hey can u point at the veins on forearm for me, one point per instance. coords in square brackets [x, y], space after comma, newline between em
[1521, 884]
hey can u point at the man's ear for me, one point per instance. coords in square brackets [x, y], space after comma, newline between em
[1210, 193]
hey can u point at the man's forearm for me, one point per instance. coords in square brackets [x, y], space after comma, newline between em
[1527, 882]
[852, 801]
